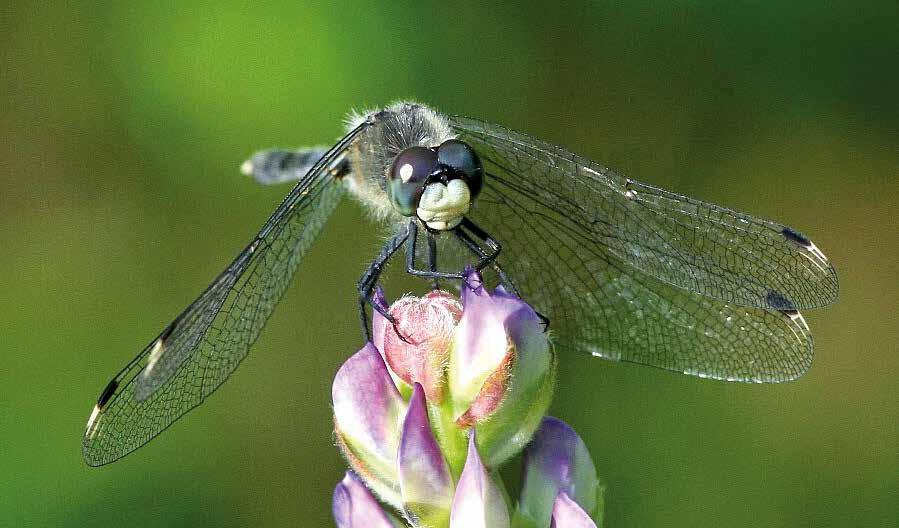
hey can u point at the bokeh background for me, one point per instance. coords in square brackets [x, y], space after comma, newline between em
[122, 130]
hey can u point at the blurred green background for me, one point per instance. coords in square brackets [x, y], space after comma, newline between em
[122, 130]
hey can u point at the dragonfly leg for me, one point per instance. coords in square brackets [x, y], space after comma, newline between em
[366, 284]
[430, 273]
[432, 259]
[489, 259]
[485, 259]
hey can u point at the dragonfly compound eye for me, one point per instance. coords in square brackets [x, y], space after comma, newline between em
[407, 178]
[459, 156]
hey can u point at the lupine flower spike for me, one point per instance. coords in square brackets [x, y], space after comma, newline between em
[425, 420]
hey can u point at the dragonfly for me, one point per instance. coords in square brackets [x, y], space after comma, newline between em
[623, 270]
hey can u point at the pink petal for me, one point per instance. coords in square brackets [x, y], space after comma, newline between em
[445, 300]
[427, 325]
[379, 328]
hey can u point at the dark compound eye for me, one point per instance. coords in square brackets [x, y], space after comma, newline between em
[407, 177]
[459, 156]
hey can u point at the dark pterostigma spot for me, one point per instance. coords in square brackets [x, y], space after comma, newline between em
[795, 237]
[779, 301]
[107, 394]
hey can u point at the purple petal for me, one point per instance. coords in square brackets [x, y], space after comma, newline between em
[505, 305]
[525, 329]
[569, 514]
[354, 506]
[478, 502]
[557, 461]
[472, 283]
[425, 480]
[368, 412]
[517, 316]
[485, 374]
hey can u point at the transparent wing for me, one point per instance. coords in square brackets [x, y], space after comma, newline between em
[633, 273]
[197, 352]
[695, 245]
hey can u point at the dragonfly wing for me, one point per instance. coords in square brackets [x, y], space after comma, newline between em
[695, 245]
[576, 255]
[197, 352]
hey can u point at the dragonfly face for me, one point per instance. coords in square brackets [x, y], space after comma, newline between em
[435, 184]
[624, 270]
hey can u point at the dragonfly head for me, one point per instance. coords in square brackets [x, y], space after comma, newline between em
[436, 184]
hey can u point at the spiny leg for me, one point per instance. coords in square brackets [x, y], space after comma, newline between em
[486, 259]
[366, 284]
[410, 259]
[490, 259]
[479, 232]
[432, 258]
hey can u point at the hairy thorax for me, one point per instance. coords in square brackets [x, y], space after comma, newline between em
[399, 126]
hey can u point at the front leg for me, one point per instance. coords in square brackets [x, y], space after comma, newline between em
[489, 259]
[366, 284]
[432, 272]
[432, 258]
[486, 259]
[496, 248]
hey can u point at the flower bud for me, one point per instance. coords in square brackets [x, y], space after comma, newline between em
[368, 414]
[419, 356]
[423, 415]
[486, 362]
[559, 478]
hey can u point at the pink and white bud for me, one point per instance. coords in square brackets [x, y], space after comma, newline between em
[368, 416]
[427, 325]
